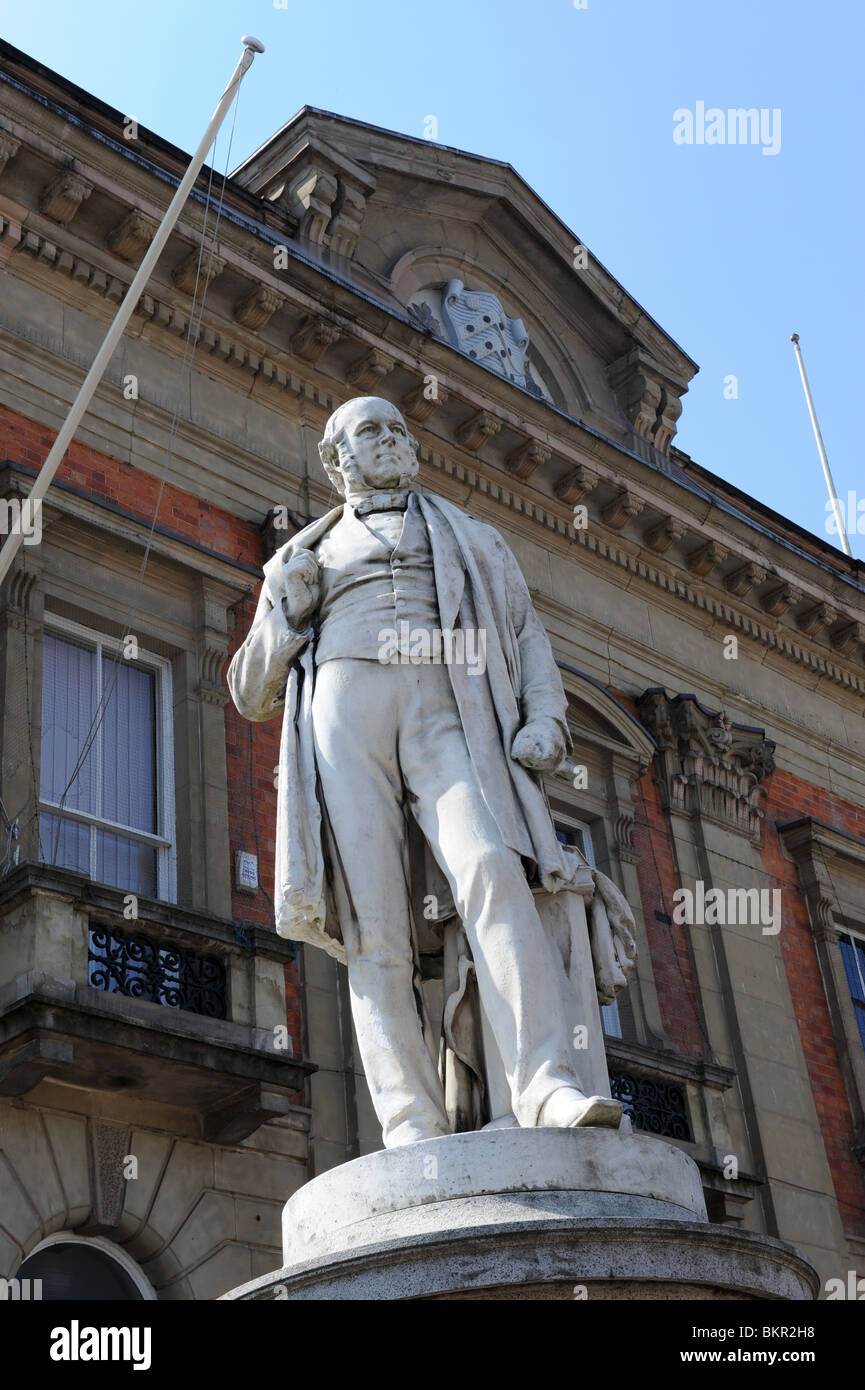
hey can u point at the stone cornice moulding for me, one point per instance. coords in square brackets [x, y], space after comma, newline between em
[801, 837]
[231, 350]
[118, 168]
[63, 501]
[631, 655]
[671, 1066]
[112, 153]
[105, 284]
[224, 344]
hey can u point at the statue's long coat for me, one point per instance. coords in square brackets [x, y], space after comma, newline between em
[479, 586]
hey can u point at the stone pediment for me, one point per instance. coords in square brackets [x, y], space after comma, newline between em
[445, 237]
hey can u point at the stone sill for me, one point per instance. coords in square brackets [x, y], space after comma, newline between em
[668, 1066]
[197, 930]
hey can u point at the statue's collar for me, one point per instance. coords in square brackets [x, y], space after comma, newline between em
[364, 503]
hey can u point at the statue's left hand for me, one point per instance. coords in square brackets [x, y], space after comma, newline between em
[539, 745]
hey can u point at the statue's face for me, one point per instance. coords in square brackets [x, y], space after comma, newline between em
[374, 445]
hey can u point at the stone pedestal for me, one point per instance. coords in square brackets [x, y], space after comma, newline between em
[522, 1214]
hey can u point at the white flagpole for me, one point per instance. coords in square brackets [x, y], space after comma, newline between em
[124, 313]
[836, 505]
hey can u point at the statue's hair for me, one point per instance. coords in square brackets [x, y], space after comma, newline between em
[329, 446]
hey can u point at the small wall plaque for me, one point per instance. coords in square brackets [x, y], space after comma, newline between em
[245, 872]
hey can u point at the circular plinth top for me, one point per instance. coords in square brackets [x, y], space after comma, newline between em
[582, 1172]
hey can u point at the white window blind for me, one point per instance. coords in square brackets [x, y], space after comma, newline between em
[105, 787]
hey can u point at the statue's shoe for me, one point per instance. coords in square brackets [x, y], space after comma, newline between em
[566, 1108]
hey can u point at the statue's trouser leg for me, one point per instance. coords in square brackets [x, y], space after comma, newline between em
[356, 722]
[518, 976]
[378, 727]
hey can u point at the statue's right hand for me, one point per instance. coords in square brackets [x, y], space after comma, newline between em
[300, 577]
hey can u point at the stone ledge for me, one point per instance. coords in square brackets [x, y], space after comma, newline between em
[114, 1044]
[606, 1258]
[190, 927]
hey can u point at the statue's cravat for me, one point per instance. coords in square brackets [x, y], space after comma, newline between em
[380, 502]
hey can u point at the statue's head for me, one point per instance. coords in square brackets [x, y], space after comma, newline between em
[367, 446]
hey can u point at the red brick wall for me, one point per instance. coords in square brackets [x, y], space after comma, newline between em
[251, 749]
[789, 799]
[668, 944]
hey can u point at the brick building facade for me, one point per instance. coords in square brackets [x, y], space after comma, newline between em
[170, 1069]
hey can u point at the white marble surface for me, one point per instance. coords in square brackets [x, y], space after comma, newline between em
[494, 1177]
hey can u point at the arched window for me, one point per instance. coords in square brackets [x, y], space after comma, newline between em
[73, 1268]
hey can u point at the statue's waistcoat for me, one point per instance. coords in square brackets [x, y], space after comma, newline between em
[376, 575]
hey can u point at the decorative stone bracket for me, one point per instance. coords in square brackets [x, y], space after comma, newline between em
[63, 196]
[574, 485]
[649, 397]
[477, 430]
[420, 403]
[527, 458]
[198, 268]
[130, 238]
[327, 198]
[707, 765]
[366, 374]
[212, 644]
[9, 147]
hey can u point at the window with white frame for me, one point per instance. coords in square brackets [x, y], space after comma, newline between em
[853, 956]
[571, 831]
[106, 804]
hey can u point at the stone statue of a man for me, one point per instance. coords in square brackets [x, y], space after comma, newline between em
[398, 640]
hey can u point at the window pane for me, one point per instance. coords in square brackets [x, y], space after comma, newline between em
[853, 956]
[580, 837]
[125, 864]
[68, 707]
[129, 746]
[610, 1021]
[70, 848]
[850, 949]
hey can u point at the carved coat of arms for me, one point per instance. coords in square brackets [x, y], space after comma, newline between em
[477, 324]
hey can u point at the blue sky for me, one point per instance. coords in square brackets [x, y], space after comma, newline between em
[730, 249]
